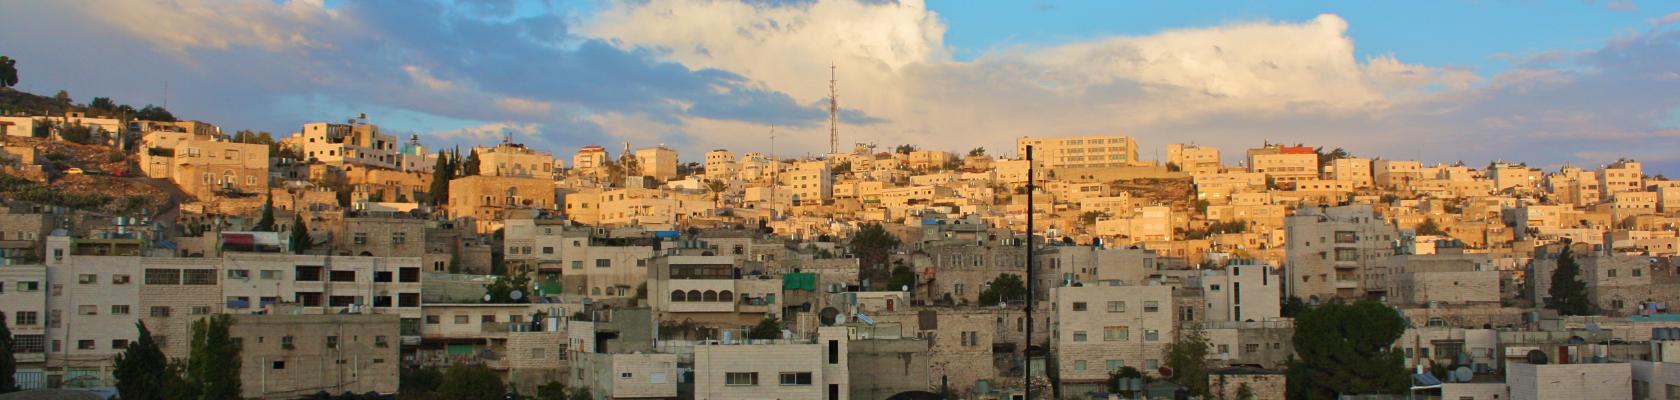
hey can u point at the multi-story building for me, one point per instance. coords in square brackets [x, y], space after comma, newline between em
[711, 292]
[788, 368]
[205, 165]
[1283, 164]
[23, 305]
[659, 163]
[516, 160]
[23, 235]
[1396, 174]
[1193, 159]
[1079, 151]
[1242, 292]
[292, 356]
[485, 198]
[1329, 249]
[590, 160]
[810, 181]
[1099, 329]
[721, 165]
[350, 145]
[1621, 176]
[1355, 170]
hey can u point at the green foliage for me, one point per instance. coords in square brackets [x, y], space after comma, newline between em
[154, 113]
[75, 132]
[8, 358]
[904, 149]
[501, 290]
[213, 362]
[1347, 349]
[420, 380]
[8, 72]
[768, 328]
[1327, 158]
[901, 277]
[471, 382]
[551, 391]
[1429, 228]
[442, 173]
[977, 151]
[1244, 392]
[1188, 357]
[1218, 228]
[1292, 307]
[1090, 218]
[1569, 293]
[26, 190]
[102, 104]
[63, 96]
[873, 245]
[1007, 287]
[300, 235]
[471, 166]
[581, 393]
[266, 222]
[1126, 372]
[142, 370]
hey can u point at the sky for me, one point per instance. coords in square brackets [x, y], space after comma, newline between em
[1549, 83]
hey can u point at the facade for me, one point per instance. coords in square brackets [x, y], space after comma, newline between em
[659, 163]
[293, 356]
[1329, 250]
[1101, 328]
[811, 182]
[515, 160]
[350, 144]
[1605, 381]
[797, 368]
[721, 165]
[1080, 151]
[1193, 159]
[590, 160]
[205, 165]
[1242, 292]
[1283, 164]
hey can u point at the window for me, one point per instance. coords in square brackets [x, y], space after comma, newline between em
[200, 310]
[238, 274]
[87, 309]
[379, 341]
[286, 343]
[1079, 336]
[360, 238]
[28, 318]
[270, 274]
[1347, 255]
[306, 273]
[119, 309]
[87, 279]
[119, 279]
[119, 344]
[796, 378]
[85, 344]
[399, 238]
[1611, 272]
[548, 250]
[1116, 334]
[487, 319]
[342, 276]
[28, 286]
[1078, 365]
[434, 319]
[29, 343]
[1346, 237]
[332, 342]
[382, 276]
[577, 264]
[279, 364]
[1251, 348]
[159, 276]
[199, 277]
[603, 263]
[461, 320]
[740, 378]
[1151, 306]
[833, 352]
[160, 312]
[1151, 335]
[1117, 306]
[408, 274]
[1116, 365]
[1079, 306]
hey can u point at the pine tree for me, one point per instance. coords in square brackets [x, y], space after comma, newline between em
[470, 167]
[1347, 349]
[300, 235]
[768, 328]
[442, 172]
[142, 371]
[1188, 358]
[266, 223]
[1569, 293]
[8, 358]
[213, 364]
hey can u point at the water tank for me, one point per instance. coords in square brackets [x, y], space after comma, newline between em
[1537, 357]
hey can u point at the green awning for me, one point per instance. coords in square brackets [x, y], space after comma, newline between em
[799, 281]
[456, 350]
[550, 287]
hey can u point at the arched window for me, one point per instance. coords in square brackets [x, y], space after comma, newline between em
[693, 295]
[709, 296]
[677, 295]
[726, 296]
[595, 291]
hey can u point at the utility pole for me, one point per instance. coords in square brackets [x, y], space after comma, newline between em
[1026, 353]
[833, 113]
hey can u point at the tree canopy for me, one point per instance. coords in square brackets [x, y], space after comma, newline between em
[142, 371]
[442, 173]
[213, 363]
[8, 72]
[1569, 293]
[1007, 287]
[1188, 358]
[8, 358]
[1347, 349]
[873, 245]
[471, 382]
[154, 113]
[266, 222]
[300, 235]
[768, 328]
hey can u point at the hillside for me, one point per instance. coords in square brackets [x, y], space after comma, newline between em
[112, 182]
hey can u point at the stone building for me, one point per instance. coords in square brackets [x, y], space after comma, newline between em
[291, 356]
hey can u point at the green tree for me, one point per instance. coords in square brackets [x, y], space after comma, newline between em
[1327, 158]
[102, 104]
[1126, 372]
[1429, 228]
[1007, 287]
[717, 187]
[1569, 293]
[1188, 357]
[873, 245]
[501, 290]
[420, 380]
[768, 328]
[213, 362]
[471, 382]
[442, 173]
[977, 151]
[904, 149]
[1347, 349]
[901, 277]
[8, 358]
[1292, 307]
[551, 391]
[581, 393]
[63, 96]
[1244, 392]
[471, 166]
[8, 72]
[154, 113]
[300, 235]
[142, 371]
[266, 222]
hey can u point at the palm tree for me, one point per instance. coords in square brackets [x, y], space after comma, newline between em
[717, 187]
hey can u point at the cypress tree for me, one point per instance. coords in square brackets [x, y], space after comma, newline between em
[142, 372]
[300, 235]
[8, 358]
[1569, 293]
[266, 223]
[470, 168]
[442, 172]
[213, 364]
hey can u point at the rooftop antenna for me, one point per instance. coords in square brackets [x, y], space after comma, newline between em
[833, 113]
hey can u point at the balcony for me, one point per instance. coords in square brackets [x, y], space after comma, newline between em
[1347, 284]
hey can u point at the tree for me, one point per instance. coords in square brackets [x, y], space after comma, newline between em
[873, 245]
[102, 104]
[1292, 307]
[551, 391]
[300, 235]
[1347, 349]
[8, 72]
[62, 96]
[1569, 293]
[142, 371]
[1126, 372]
[501, 290]
[213, 362]
[1429, 228]
[1089, 218]
[266, 222]
[977, 151]
[904, 149]
[1328, 158]
[442, 173]
[420, 380]
[901, 277]
[471, 382]
[1007, 287]
[1188, 358]
[154, 113]
[717, 187]
[581, 393]
[470, 167]
[1244, 392]
[8, 358]
[767, 328]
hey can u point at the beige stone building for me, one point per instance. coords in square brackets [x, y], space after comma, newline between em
[1621, 176]
[1079, 151]
[590, 160]
[1194, 160]
[791, 368]
[289, 356]
[205, 165]
[1329, 250]
[721, 165]
[1284, 163]
[1396, 174]
[1102, 328]
[350, 145]
[485, 198]
[1354, 170]
[516, 160]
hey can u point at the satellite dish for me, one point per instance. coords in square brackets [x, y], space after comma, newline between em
[1537, 357]
[516, 295]
[1592, 327]
[486, 297]
[1462, 374]
[1166, 372]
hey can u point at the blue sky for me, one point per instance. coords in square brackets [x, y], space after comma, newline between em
[1548, 82]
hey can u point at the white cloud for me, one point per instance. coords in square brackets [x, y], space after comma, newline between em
[181, 25]
[490, 132]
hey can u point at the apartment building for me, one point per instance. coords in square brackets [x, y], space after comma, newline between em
[1621, 176]
[1329, 250]
[1396, 174]
[348, 145]
[294, 356]
[486, 198]
[711, 291]
[23, 235]
[659, 163]
[23, 305]
[1517, 177]
[586, 264]
[1592, 381]
[1093, 151]
[625, 376]
[1102, 328]
[721, 165]
[811, 182]
[789, 368]
[1242, 292]
[1194, 160]
[516, 160]
[205, 165]
[1356, 171]
[1574, 186]
[590, 160]
[1282, 164]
